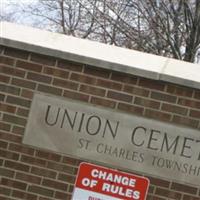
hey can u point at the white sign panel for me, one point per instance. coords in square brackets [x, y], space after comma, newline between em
[115, 138]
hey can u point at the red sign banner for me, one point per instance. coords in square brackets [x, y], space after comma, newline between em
[99, 183]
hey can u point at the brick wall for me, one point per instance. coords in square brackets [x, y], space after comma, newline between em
[33, 174]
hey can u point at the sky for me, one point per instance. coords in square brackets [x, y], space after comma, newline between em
[12, 9]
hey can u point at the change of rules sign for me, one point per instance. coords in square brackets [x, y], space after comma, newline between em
[99, 183]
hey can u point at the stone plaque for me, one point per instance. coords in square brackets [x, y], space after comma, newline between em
[118, 139]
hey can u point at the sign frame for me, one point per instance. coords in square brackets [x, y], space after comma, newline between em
[156, 141]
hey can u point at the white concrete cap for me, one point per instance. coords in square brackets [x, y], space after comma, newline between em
[100, 55]
[181, 72]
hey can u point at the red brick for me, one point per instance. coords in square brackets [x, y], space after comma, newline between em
[6, 60]
[67, 178]
[21, 149]
[184, 188]
[130, 108]
[38, 77]
[63, 196]
[119, 96]
[95, 71]
[16, 53]
[48, 155]
[71, 188]
[151, 189]
[163, 97]
[49, 89]
[195, 113]
[15, 120]
[146, 103]
[151, 84]
[43, 59]
[40, 190]
[69, 65]
[7, 108]
[9, 155]
[185, 121]
[18, 101]
[22, 112]
[6, 173]
[92, 90]
[65, 84]
[109, 84]
[179, 91]
[189, 103]
[83, 78]
[187, 197]
[136, 90]
[2, 49]
[33, 161]
[4, 126]
[28, 178]
[43, 172]
[4, 78]
[23, 83]
[56, 72]
[23, 195]
[17, 166]
[27, 93]
[76, 168]
[174, 109]
[13, 184]
[103, 102]
[4, 191]
[60, 167]
[18, 130]
[2, 97]
[69, 161]
[29, 66]
[44, 198]
[153, 197]
[55, 184]
[63, 171]
[168, 193]
[10, 137]
[3, 144]
[157, 115]
[125, 78]
[76, 95]
[197, 94]
[9, 89]
[12, 71]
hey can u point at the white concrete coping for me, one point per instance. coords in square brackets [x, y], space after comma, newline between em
[100, 55]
